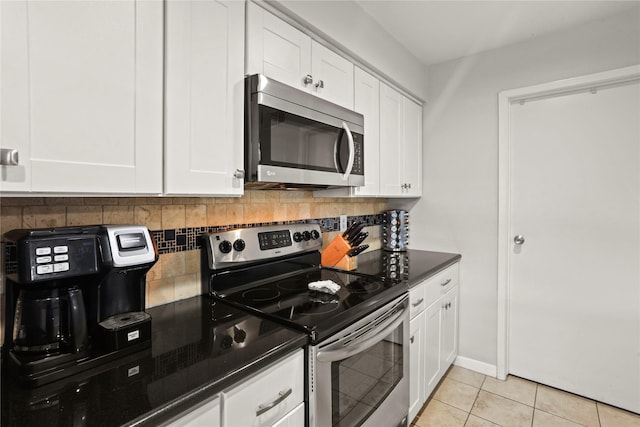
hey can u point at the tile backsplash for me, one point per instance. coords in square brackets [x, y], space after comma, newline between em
[175, 222]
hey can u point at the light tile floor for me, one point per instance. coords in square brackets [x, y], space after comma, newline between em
[466, 398]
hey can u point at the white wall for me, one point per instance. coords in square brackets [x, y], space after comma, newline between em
[359, 35]
[459, 208]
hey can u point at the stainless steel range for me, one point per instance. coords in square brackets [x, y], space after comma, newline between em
[358, 326]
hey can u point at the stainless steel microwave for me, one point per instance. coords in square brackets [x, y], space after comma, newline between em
[294, 139]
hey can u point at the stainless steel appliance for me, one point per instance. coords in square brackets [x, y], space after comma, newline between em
[395, 230]
[357, 358]
[295, 139]
[76, 299]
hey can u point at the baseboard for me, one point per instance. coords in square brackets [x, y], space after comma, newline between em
[476, 365]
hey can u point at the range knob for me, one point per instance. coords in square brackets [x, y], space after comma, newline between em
[226, 342]
[239, 245]
[315, 234]
[225, 246]
[297, 237]
[239, 335]
[306, 235]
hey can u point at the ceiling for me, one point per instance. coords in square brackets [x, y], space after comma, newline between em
[437, 31]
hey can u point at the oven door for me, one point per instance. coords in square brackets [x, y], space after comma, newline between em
[361, 374]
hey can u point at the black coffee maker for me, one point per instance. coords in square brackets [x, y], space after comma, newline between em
[76, 299]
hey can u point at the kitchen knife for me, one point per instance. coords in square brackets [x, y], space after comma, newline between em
[357, 250]
[359, 239]
[352, 235]
[349, 229]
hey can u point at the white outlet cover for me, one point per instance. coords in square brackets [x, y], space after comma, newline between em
[343, 222]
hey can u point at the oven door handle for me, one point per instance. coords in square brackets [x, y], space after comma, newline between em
[363, 344]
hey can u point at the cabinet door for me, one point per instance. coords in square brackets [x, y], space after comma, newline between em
[204, 97]
[276, 49]
[367, 102]
[267, 397]
[449, 328]
[433, 352]
[416, 365]
[294, 418]
[82, 96]
[333, 76]
[412, 148]
[390, 141]
[205, 415]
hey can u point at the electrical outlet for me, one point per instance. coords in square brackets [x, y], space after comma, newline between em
[343, 222]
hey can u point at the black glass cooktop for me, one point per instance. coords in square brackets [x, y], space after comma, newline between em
[288, 299]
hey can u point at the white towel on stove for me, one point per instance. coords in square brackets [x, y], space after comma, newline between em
[327, 286]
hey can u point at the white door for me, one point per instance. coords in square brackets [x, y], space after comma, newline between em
[82, 96]
[204, 83]
[574, 283]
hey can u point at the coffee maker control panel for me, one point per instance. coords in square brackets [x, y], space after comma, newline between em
[56, 257]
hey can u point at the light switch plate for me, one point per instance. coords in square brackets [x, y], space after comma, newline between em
[343, 222]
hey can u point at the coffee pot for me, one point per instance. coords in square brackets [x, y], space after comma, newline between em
[50, 321]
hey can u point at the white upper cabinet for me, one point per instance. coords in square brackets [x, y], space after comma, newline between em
[367, 102]
[284, 53]
[400, 145]
[275, 48]
[412, 148]
[82, 96]
[204, 84]
[332, 76]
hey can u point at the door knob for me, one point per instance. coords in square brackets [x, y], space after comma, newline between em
[519, 239]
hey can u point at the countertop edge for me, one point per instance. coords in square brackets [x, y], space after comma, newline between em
[181, 405]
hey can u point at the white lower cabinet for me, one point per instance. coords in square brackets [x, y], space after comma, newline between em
[272, 397]
[433, 334]
[416, 365]
[266, 398]
[207, 414]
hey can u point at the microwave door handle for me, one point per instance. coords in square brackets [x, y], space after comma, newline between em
[352, 152]
[359, 346]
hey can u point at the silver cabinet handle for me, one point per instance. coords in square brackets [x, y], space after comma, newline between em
[266, 406]
[9, 157]
[417, 303]
[519, 239]
[445, 282]
[412, 339]
[307, 80]
[319, 84]
[239, 173]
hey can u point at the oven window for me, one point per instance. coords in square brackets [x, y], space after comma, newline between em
[363, 381]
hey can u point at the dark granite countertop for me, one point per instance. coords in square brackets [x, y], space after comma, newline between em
[421, 264]
[197, 350]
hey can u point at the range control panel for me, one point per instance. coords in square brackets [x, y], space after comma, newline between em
[244, 245]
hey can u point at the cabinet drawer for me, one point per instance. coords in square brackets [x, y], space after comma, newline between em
[416, 300]
[441, 283]
[267, 397]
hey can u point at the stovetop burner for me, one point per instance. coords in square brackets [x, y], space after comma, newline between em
[260, 294]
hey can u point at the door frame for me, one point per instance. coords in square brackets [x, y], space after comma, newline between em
[505, 100]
